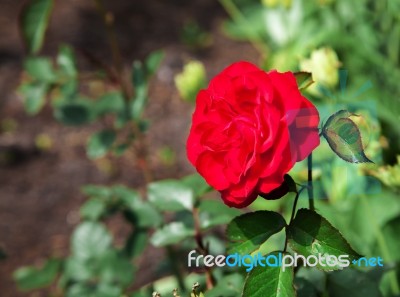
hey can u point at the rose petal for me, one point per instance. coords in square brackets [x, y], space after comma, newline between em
[211, 167]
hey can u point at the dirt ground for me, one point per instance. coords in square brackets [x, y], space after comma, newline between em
[39, 191]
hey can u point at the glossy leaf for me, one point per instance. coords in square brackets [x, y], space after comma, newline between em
[100, 143]
[171, 234]
[34, 22]
[311, 234]
[171, 195]
[269, 281]
[247, 232]
[29, 278]
[344, 137]
[90, 240]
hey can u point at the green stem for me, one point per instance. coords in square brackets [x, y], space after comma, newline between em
[291, 218]
[174, 260]
[383, 247]
[210, 283]
[296, 199]
[141, 147]
[310, 189]
[108, 20]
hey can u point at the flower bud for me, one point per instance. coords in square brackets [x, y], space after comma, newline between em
[191, 80]
[324, 65]
[274, 3]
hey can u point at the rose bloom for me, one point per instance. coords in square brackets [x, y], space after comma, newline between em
[248, 130]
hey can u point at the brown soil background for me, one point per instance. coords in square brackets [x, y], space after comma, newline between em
[40, 191]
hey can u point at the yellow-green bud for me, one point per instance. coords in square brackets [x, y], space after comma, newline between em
[274, 3]
[324, 65]
[388, 175]
[191, 80]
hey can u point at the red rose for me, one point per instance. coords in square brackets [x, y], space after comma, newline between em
[249, 128]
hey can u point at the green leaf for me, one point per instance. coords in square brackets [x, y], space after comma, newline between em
[112, 102]
[34, 95]
[136, 243]
[111, 267]
[100, 143]
[34, 22]
[269, 281]
[153, 61]
[287, 186]
[197, 183]
[228, 286]
[97, 191]
[115, 268]
[79, 270]
[314, 276]
[214, 213]
[304, 288]
[171, 195]
[141, 213]
[140, 84]
[93, 209]
[90, 240]
[350, 282]
[344, 137]
[171, 234]
[40, 69]
[74, 113]
[29, 278]
[90, 290]
[311, 234]
[303, 79]
[67, 71]
[120, 149]
[390, 232]
[142, 293]
[66, 61]
[128, 196]
[248, 232]
[146, 215]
